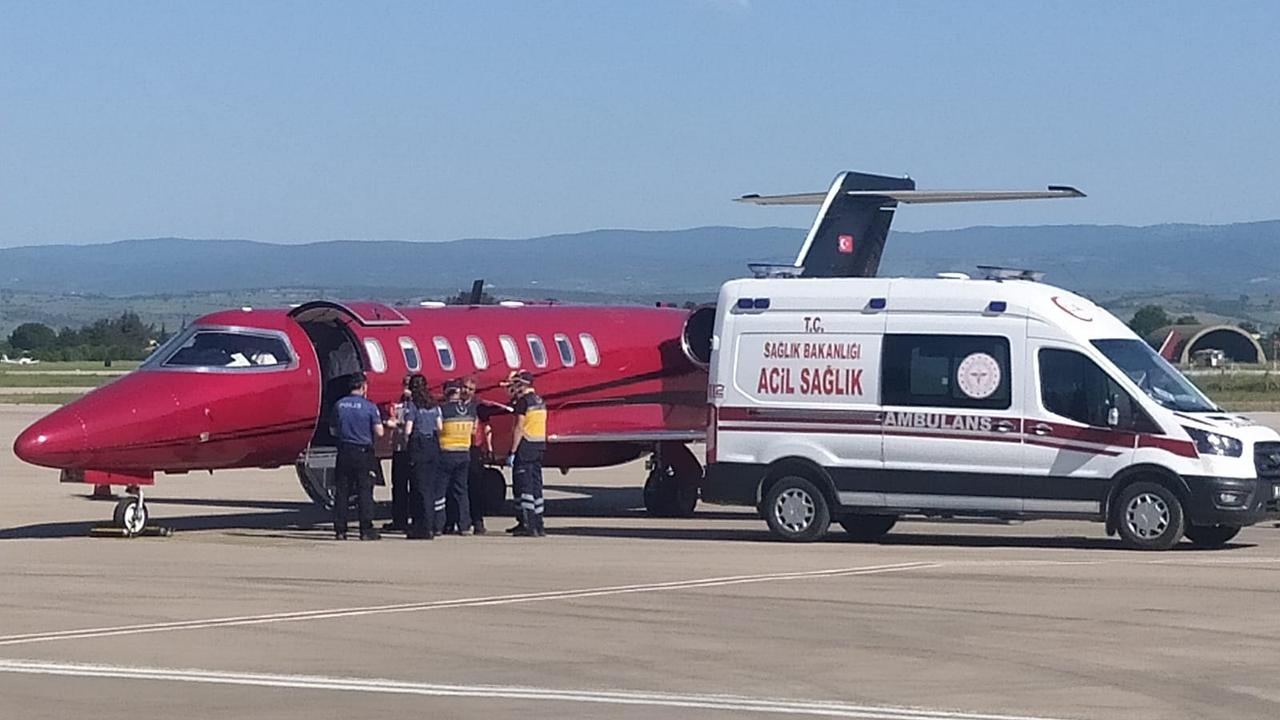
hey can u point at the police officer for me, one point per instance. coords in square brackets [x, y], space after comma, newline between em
[426, 491]
[400, 495]
[356, 423]
[528, 445]
[457, 423]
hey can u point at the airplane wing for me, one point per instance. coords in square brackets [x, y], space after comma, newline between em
[918, 196]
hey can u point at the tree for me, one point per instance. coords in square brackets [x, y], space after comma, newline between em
[32, 336]
[1187, 320]
[1148, 319]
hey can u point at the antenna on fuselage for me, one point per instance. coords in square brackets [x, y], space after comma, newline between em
[477, 293]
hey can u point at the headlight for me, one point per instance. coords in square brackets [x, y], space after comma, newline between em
[1208, 443]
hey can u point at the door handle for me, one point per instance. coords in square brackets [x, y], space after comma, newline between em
[1005, 426]
[1041, 429]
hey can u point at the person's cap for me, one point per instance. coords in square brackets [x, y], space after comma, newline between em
[452, 386]
[518, 377]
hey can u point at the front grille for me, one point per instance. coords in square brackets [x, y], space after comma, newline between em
[1266, 459]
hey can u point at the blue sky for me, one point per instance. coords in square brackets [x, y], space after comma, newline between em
[300, 121]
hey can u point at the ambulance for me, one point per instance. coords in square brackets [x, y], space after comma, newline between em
[863, 400]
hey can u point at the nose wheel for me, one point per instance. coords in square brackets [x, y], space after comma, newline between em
[131, 514]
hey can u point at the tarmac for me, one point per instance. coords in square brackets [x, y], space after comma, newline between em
[250, 610]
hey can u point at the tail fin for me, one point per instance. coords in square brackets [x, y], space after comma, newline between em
[848, 235]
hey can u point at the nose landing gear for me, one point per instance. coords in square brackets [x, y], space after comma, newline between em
[131, 513]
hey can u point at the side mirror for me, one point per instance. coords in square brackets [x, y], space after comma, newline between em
[1113, 417]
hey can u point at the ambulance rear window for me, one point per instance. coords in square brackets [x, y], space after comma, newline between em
[949, 371]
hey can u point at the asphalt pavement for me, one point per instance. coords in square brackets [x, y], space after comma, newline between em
[251, 610]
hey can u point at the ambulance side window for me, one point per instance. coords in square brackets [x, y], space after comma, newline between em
[1074, 387]
[950, 371]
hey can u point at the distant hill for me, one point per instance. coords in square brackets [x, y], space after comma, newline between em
[1100, 260]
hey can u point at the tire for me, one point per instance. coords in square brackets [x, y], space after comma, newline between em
[1148, 517]
[1211, 536]
[796, 510]
[671, 489]
[131, 515]
[868, 527]
[493, 489]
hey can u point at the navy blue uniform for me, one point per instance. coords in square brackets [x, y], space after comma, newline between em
[526, 466]
[459, 422]
[402, 498]
[354, 421]
[426, 482]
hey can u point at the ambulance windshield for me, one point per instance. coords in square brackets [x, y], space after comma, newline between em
[1155, 376]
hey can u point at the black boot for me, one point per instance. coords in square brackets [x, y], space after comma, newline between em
[525, 527]
[539, 530]
[519, 523]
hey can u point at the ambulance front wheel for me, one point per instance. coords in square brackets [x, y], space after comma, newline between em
[1148, 516]
[796, 510]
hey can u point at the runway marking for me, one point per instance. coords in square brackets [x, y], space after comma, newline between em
[736, 703]
[87, 633]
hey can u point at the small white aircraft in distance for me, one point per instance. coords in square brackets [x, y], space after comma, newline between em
[24, 360]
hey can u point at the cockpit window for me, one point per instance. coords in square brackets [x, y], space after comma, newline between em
[228, 349]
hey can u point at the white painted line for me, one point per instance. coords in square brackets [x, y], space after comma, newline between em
[736, 703]
[101, 632]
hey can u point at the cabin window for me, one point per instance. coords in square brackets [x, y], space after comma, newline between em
[590, 352]
[408, 348]
[510, 351]
[537, 350]
[565, 349]
[444, 352]
[479, 356]
[1073, 386]
[377, 360]
[227, 349]
[949, 371]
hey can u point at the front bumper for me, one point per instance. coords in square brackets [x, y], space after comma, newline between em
[1232, 501]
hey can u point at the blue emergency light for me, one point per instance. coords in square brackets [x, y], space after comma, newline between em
[997, 306]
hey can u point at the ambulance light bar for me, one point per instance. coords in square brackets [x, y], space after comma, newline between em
[995, 272]
[769, 270]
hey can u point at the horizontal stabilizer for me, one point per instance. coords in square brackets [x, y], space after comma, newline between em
[849, 233]
[919, 196]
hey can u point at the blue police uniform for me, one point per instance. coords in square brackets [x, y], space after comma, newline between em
[426, 481]
[354, 421]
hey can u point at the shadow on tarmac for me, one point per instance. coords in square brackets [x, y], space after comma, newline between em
[301, 519]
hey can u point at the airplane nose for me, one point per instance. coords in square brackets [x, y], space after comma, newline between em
[57, 440]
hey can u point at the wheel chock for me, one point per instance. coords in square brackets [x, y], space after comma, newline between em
[111, 531]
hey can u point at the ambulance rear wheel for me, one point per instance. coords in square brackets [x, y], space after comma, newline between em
[796, 510]
[1211, 536]
[1148, 517]
[868, 527]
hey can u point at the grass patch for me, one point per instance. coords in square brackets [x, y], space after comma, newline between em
[10, 380]
[1239, 391]
[39, 399]
[80, 365]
